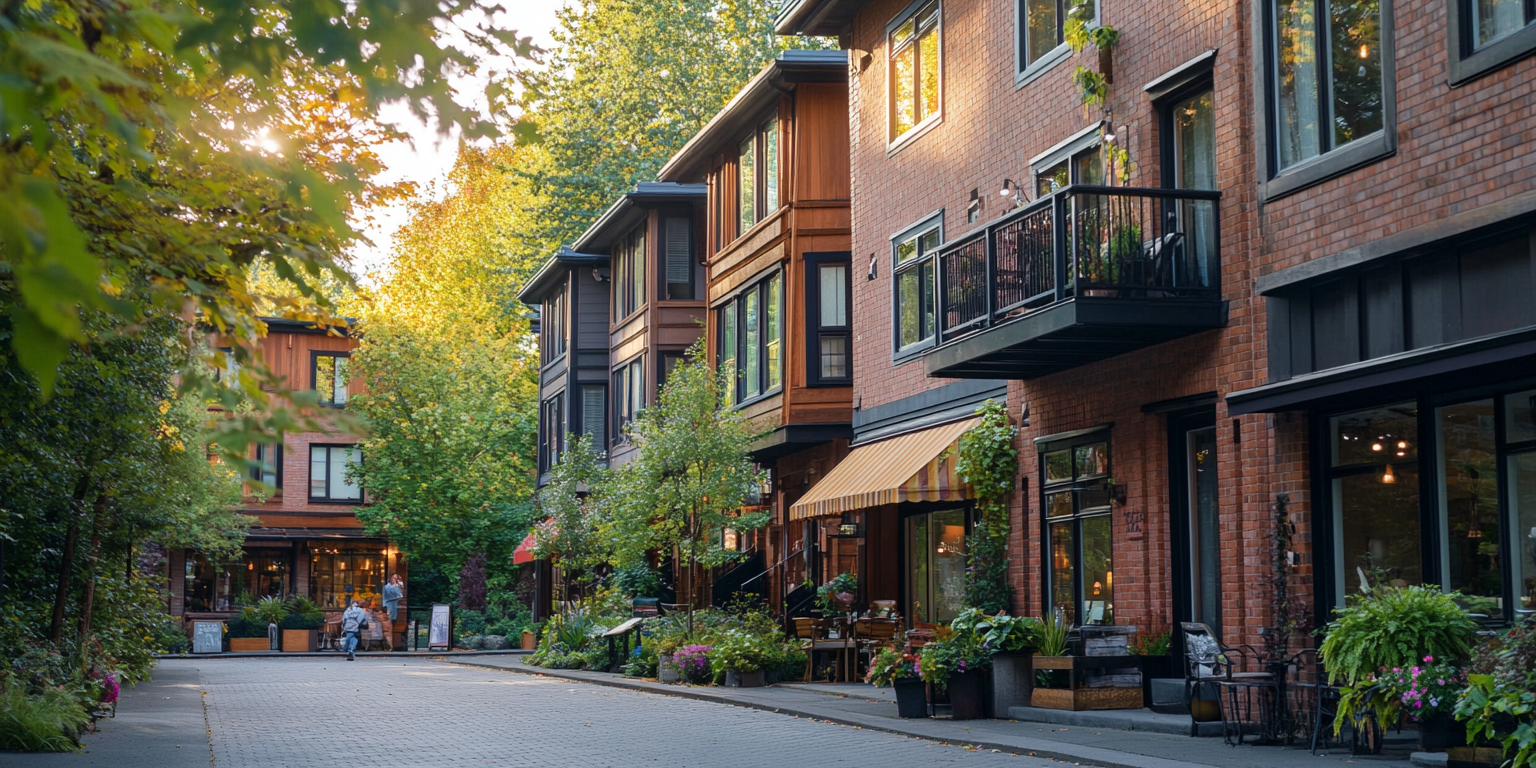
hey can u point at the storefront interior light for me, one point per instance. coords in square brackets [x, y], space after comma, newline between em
[1387, 476]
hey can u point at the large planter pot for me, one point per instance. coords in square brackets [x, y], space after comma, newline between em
[1438, 732]
[753, 679]
[1154, 667]
[249, 645]
[1010, 684]
[666, 670]
[530, 641]
[300, 640]
[910, 701]
[965, 700]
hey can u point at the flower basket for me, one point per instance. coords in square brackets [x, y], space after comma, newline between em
[911, 701]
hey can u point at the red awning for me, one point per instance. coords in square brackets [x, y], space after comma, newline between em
[524, 551]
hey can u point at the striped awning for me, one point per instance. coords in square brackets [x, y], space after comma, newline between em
[911, 467]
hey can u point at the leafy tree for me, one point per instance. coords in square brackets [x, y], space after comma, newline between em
[691, 477]
[573, 505]
[452, 417]
[626, 85]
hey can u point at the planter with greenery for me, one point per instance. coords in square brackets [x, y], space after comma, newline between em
[1011, 641]
[741, 656]
[1153, 646]
[838, 594]
[955, 661]
[693, 665]
[1499, 704]
[900, 669]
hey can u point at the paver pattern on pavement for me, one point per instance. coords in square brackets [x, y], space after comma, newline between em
[298, 713]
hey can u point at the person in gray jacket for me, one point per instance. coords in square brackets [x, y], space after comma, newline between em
[353, 622]
[393, 592]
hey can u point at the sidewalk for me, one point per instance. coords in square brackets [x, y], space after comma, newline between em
[864, 706]
[159, 724]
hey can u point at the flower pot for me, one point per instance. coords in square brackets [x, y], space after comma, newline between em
[965, 701]
[910, 701]
[1439, 732]
[1010, 683]
[300, 640]
[530, 641]
[735, 679]
[666, 670]
[249, 644]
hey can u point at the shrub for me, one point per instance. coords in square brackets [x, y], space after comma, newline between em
[168, 637]
[48, 722]
[890, 665]
[693, 664]
[298, 621]
[269, 610]
[243, 626]
[742, 651]
[1389, 627]
[639, 580]
[951, 653]
[468, 622]
[1500, 700]
[642, 662]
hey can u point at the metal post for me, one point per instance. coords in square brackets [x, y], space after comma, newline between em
[1059, 244]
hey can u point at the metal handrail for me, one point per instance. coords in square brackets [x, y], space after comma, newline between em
[770, 568]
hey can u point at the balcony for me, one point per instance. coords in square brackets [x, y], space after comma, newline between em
[1083, 275]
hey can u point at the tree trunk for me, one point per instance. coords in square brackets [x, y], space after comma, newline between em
[66, 573]
[98, 517]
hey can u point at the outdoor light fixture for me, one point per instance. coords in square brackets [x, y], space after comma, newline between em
[1007, 188]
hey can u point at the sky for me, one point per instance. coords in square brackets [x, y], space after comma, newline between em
[426, 159]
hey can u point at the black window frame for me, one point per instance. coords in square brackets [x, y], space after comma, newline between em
[630, 274]
[257, 472]
[621, 397]
[554, 420]
[600, 433]
[736, 303]
[667, 220]
[815, 328]
[328, 498]
[1465, 62]
[758, 136]
[314, 375]
[554, 325]
[895, 141]
[932, 222]
[1164, 102]
[1275, 182]
[1078, 487]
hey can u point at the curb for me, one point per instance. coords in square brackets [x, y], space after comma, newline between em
[698, 695]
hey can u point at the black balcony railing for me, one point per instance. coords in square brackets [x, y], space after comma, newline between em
[1082, 241]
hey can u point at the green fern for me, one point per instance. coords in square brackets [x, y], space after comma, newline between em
[48, 722]
[1394, 627]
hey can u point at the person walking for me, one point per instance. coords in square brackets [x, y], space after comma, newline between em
[353, 622]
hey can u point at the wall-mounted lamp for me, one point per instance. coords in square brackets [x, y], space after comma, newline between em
[1007, 188]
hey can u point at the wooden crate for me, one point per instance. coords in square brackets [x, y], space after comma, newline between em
[300, 640]
[249, 644]
[1086, 698]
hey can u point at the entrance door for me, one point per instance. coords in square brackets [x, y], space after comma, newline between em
[935, 566]
[1196, 528]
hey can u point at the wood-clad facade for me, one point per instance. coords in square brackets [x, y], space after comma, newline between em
[571, 293]
[776, 234]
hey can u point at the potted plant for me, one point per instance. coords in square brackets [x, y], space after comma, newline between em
[838, 594]
[692, 662]
[955, 661]
[899, 669]
[1010, 640]
[1498, 706]
[301, 633]
[530, 641]
[666, 669]
[248, 634]
[1385, 628]
[1153, 646]
[742, 655]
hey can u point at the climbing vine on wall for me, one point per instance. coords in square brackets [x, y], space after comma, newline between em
[988, 460]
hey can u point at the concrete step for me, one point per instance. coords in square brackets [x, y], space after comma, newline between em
[1116, 719]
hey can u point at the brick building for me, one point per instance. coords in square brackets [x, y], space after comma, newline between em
[1265, 265]
[307, 540]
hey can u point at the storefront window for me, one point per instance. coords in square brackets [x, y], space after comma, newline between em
[339, 575]
[1522, 498]
[265, 573]
[1079, 534]
[207, 586]
[936, 566]
[1376, 496]
[1469, 504]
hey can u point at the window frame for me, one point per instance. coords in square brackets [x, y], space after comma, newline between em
[735, 303]
[1164, 104]
[1025, 71]
[328, 498]
[1074, 486]
[314, 375]
[256, 472]
[554, 425]
[553, 347]
[814, 329]
[931, 222]
[758, 138]
[620, 395]
[1465, 63]
[585, 429]
[895, 143]
[630, 274]
[1274, 182]
[1067, 151]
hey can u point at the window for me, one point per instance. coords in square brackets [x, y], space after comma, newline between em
[678, 257]
[594, 403]
[628, 397]
[935, 565]
[629, 274]
[1190, 163]
[669, 363]
[552, 322]
[340, 574]
[752, 338]
[328, 465]
[1041, 31]
[913, 43]
[1078, 538]
[757, 176]
[268, 469]
[1485, 35]
[914, 252]
[1326, 77]
[330, 378]
[1079, 162]
[228, 370]
[830, 321]
[552, 428]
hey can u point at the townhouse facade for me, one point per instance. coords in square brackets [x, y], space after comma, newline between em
[307, 540]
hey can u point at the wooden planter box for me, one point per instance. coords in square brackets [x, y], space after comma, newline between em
[1075, 697]
[300, 640]
[249, 644]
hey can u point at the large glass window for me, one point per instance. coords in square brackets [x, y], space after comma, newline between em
[1375, 481]
[552, 429]
[1327, 80]
[330, 378]
[206, 586]
[914, 252]
[268, 466]
[1191, 121]
[328, 465]
[1043, 25]
[552, 325]
[935, 566]
[1079, 539]
[628, 397]
[264, 573]
[751, 338]
[757, 175]
[1083, 166]
[914, 71]
[341, 574]
[827, 296]
[1493, 20]
[629, 274]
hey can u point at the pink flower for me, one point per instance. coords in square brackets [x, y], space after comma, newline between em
[1429, 659]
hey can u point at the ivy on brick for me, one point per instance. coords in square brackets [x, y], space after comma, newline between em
[988, 460]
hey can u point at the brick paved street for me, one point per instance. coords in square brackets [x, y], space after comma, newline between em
[324, 712]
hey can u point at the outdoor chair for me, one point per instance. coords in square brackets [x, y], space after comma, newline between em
[868, 636]
[1313, 704]
[1223, 670]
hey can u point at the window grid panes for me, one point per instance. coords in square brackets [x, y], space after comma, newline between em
[1043, 25]
[628, 397]
[331, 379]
[751, 339]
[1079, 529]
[746, 185]
[328, 473]
[830, 363]
[915, 287]
[1326, 72]
[269, 463]
[629, 274]
[914, 71]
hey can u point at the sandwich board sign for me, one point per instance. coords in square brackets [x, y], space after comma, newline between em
[438, 631]
[207, 637]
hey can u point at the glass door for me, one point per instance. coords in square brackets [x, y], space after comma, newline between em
[1193, 492]
[935, 565]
